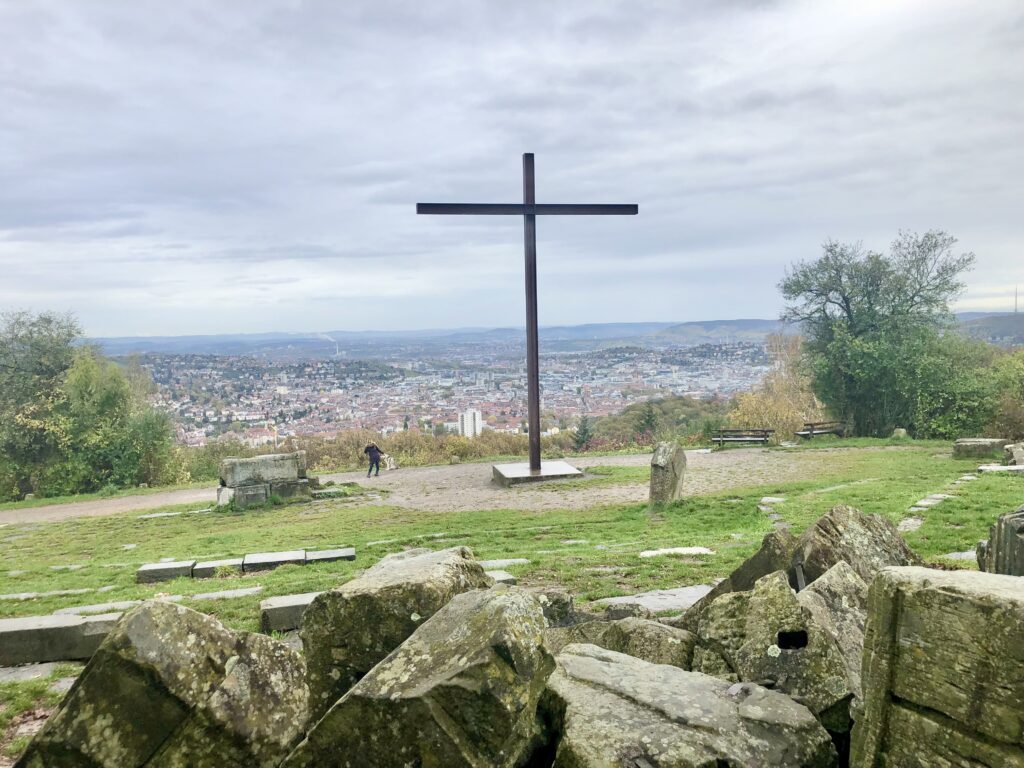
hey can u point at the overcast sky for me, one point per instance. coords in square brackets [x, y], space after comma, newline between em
[206, 167]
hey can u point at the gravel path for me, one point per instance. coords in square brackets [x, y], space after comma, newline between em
[463, 487]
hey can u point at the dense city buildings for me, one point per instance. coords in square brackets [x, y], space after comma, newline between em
[265, 399]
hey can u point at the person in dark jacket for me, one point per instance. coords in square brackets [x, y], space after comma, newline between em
[374, 453]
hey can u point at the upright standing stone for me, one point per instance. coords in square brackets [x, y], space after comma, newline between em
[943, 671]
[1003, 552]
[668, 465]
[461, 692]
[347, 630]
[173, 687]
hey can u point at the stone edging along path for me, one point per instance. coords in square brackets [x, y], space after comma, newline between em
[259, 561]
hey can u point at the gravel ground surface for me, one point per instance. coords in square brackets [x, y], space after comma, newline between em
[468, 486]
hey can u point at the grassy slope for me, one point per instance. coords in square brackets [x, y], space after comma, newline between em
[877, 480]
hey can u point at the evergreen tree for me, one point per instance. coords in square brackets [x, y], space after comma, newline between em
[584, 434]
[647, 423]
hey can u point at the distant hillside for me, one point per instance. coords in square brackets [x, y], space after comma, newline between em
[717, 331]
[1006, 330]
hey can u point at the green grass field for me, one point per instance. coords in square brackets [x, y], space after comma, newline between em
[594, 552]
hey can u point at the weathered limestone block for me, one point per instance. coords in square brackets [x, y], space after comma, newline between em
[651, 641]
[867, 542]
[291, 490]
[461, 691]
[557, 603]
[668, 465]
[614, 710]
[1003, 552]
[1013, 454]
[246, 496]
[33, 639]
[347, 630]
[770, 634]
[174, 688]
[261, 470]
[899, 434]
[977, 447]
[775, 554]
[943, 665]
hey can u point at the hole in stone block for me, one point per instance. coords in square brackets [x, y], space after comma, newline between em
[790, 640]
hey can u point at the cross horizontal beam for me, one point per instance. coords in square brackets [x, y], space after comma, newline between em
[521, 209]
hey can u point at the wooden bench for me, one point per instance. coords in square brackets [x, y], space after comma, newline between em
[812, 428]
[745, 435]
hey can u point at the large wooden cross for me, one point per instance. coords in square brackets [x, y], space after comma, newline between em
[530, 210]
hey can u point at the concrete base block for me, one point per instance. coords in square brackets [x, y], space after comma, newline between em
[291, 490]
[153, 572]
[251, 495]
[268, 561]
[330, 555]
[518, 473]
[284, 613]
[225, 496]
[208, 569]
[52, 638]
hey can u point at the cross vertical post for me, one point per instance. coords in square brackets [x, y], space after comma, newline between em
[530, 209]
[532, 335]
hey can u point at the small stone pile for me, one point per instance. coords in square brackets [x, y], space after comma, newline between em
[791, 662]
[252, 482]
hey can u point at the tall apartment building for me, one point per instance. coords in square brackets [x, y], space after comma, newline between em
[471, 423]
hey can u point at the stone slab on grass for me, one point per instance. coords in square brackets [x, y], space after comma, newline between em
[154, 572]
[969, 554]
[155, 515]
[208, 568]
[284, 613]
[330, 555]
[1012, 469]
[908, 524]
[228, 594]
[54, 593]
[677, 551]
[85, 610]
[497, 565]
[267, 561]
[52, 638]
[27, 672]
[502, 577]
[678, 599]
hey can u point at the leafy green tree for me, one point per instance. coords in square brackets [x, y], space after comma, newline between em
[584, 433]
[873, 325]
[646, 423]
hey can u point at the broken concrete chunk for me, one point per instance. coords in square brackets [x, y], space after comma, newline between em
[462, 691]
[347, 630]
[615, 710]
[173, 687]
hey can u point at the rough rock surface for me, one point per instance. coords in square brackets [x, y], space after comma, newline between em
[259, 470]
[461, 691]
[614, 710]
[867, 542]
[943, 671]
[668, 465]
[775, 554]
[644, 639]
[1014, 454]
[174, 688]
[771, 636]
[347, 630]
[1003, 551]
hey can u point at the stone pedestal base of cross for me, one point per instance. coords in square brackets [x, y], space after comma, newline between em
[510, 474]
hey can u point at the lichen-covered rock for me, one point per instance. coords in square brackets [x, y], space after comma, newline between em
[461, 691]
[174, 688]
[943, 671]
[611, 710]
[627, 611]
[774, 554]
[771, 637]
[347, 630]
[1013, 454]
[668, 466]
[867, 542]
[644, 639]
[1003, 551]
[557, 603]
